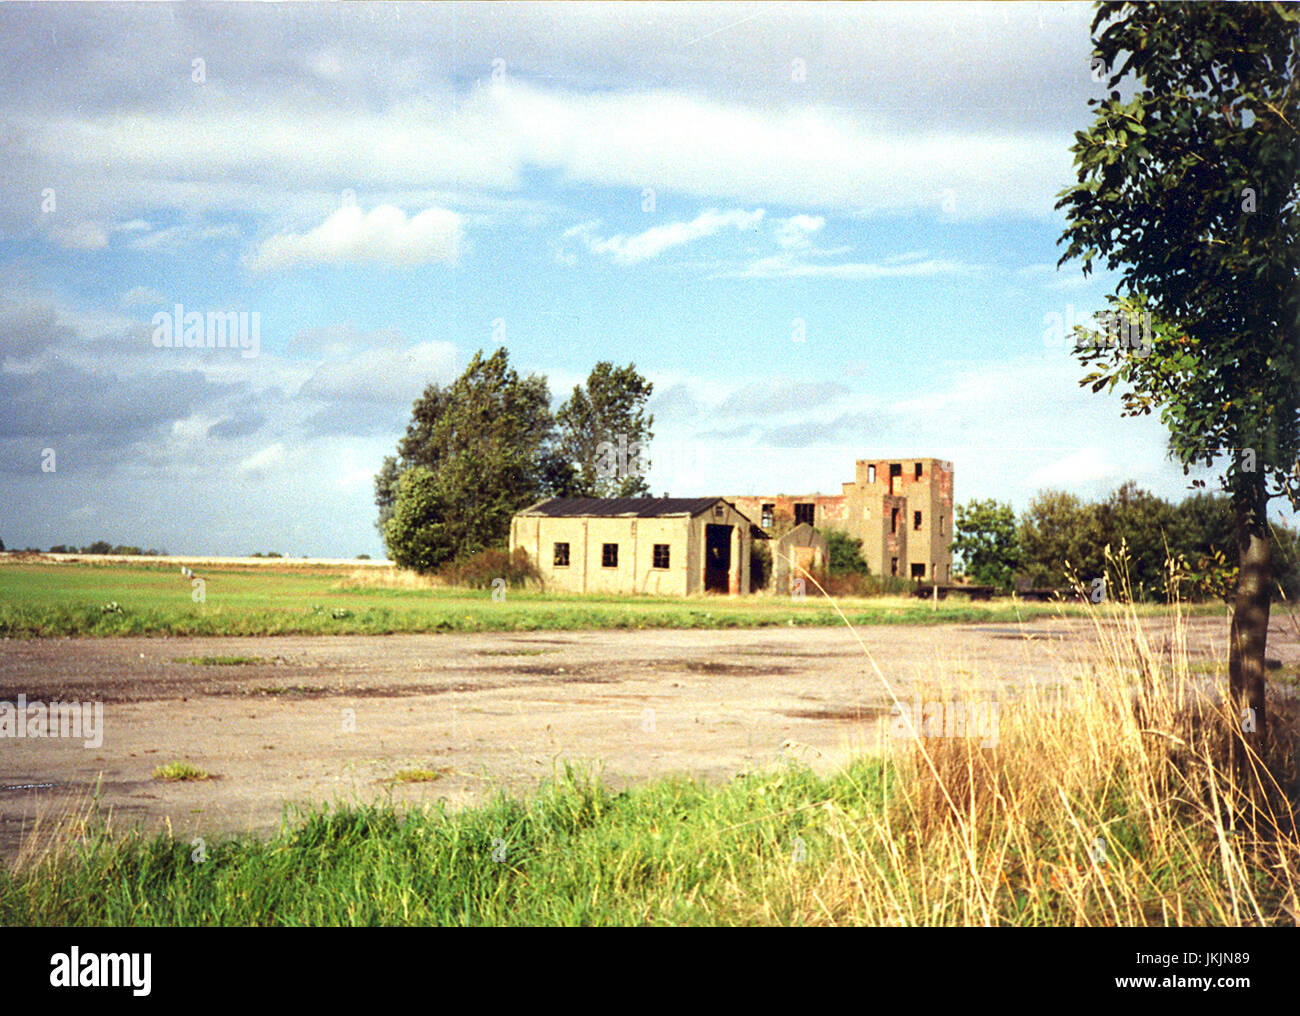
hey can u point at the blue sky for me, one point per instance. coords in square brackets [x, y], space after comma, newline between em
[822, 231]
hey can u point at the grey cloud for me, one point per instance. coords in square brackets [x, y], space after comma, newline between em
[356, 420]
[237, 426]
[862, 428]
[674, 403]
[761, 399]
[60, 404]
[29, 327]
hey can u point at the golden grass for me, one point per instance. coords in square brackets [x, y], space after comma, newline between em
[1104, 799]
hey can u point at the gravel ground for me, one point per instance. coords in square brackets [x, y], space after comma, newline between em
[317, 719]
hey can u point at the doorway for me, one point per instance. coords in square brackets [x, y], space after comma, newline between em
[717, 558]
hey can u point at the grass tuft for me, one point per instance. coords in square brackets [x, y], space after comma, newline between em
[175, 772]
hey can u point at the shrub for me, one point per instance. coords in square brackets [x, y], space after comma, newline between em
[478, 570]
[844, 554]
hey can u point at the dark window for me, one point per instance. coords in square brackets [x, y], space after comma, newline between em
[718, 510]
[609, 555]
[916, 520]
[918, 470]
[893, 566]
[769, 515]
[895, 476]
[893, 520]
[941, 523]
[561, 555]
[661, 555]
[918, 571]
[804, 513]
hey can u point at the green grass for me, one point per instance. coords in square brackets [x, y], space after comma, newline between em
[574, 854]
[61, 600]
[785, 847]
[178, 772]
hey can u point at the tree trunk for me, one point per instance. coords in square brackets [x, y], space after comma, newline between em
[1249, 634]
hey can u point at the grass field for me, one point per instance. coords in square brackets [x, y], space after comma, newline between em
[1103, 802]
[45, 599]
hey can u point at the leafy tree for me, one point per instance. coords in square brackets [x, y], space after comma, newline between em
[1060, 536]
[415, 531]
[485, 444]
[605, 434]
[844, 554]
[987, 541]
[1189, 187]
[1203, 524]
[1147, 527]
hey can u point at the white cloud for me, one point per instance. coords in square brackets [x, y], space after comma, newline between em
[1086, 466]
[741, 147]
[384, 234]
[263, 461]
[790, 266]
[795, 233]
[82, 236]
[628, 250]
[381, 375]
[178, 237]
[141, 296]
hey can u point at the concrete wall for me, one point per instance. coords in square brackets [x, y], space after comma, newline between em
[829, 510]
[864, 509]
[931, 494]
[802, 547]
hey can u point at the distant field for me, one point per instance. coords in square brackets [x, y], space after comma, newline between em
[301, 598]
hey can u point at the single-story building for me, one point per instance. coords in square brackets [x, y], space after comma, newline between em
[675, 546]
[802, 549]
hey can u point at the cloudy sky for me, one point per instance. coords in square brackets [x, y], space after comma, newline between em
[823, 232]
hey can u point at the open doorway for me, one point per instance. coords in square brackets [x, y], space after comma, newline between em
[717, 558]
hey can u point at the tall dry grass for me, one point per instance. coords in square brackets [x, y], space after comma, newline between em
[1108, 798]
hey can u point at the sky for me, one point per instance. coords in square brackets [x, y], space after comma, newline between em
[823, 232]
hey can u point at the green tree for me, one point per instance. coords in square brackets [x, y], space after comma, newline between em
[415, 530]
[987, 541]
[844, 553]
[605, 434]
[1189, 187]
[1147, 527]
[485, 444]
[1059, 537]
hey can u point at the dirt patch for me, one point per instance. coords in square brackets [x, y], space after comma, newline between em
[839, 714]
[716, 667]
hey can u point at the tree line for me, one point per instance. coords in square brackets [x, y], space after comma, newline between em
[98, 547]
[1061, 538]
[478, 450]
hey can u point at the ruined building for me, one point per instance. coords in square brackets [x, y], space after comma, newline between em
[901, 510]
